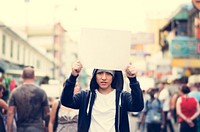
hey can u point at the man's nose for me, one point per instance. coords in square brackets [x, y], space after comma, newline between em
[104, 75]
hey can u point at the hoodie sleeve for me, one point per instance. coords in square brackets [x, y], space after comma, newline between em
[135, 99]
[67, 96]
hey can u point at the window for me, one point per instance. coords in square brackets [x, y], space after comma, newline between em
[24, 55]
[29, 57]
[18, 51]
[38, 64]
[11, 49]
[3, 44]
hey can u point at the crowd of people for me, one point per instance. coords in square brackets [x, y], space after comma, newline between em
[104, 107]
[171, 107]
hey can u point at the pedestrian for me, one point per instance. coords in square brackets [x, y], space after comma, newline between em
[105, 106]
[30, 103]
[153, 114]
[63, 119]
[164, 96]
[188, 111]
[176, 83]
[194, 92]
[173, 101]
[3, 109]
[12, 85]
[141, 124]
[6, 82]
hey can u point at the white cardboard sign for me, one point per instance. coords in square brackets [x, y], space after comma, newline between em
[104, 49]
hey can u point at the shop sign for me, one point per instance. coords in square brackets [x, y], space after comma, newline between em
[184, 47]
[192, 63]
[196, 4]
[143, 38]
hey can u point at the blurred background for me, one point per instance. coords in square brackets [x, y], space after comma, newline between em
[45, 34]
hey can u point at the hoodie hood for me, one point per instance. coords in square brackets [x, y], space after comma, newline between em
[117, 82]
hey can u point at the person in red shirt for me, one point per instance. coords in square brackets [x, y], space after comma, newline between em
[12, 85]
[187, 110]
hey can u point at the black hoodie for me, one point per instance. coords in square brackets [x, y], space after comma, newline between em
[125, 101]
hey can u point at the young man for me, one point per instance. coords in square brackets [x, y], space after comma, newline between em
[105, 106]
[31, 104]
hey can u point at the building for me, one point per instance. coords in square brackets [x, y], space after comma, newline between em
[51, 39]
[16, 52]
[145, 50]
[179, 41]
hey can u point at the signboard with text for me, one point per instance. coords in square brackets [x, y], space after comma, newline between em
[184, 47]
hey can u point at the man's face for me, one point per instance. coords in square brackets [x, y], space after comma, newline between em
[104, 80]
[161, 85]
[152, 93]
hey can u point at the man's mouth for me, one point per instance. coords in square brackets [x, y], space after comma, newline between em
[103, 83]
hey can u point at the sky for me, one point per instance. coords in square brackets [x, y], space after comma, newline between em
[74, 14]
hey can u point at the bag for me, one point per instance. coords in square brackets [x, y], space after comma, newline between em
[56, 119]
[154, 115]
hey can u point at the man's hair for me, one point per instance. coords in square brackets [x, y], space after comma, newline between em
[28, 73]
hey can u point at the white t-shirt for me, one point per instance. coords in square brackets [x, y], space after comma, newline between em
[103, 113]
[164, 95]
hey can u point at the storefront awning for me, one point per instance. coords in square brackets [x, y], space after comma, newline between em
[19, 72]
[180, 15]
[6, 65]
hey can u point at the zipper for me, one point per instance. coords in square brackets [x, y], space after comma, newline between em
[119, 107]
[88, 107]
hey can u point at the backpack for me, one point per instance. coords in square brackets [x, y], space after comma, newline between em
[155, 116]
[56, 118]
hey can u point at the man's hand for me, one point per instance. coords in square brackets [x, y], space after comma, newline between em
[76, 68]
[130, 71]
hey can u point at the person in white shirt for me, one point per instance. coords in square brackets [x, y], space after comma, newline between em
[164, 96]
[105, 107]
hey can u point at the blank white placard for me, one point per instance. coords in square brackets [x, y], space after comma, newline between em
[104, 49]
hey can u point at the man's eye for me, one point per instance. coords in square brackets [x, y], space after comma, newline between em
[108, 73]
